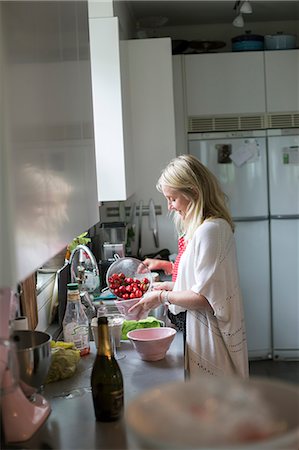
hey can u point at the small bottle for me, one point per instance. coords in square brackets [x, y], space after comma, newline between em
[106, 378]
[75, 322]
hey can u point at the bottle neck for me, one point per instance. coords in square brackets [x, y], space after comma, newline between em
[104, 345]
[73, 296]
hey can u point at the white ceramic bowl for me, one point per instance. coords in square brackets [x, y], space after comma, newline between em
[152, 344]
[216, 412]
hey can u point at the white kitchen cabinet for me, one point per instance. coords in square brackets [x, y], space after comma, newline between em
[153, 127]
[113, 161]
[282, 80]
[225, 84]
[152, 109]
[48, 190]
[179, 104]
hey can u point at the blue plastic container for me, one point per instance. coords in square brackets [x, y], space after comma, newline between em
[247, 42]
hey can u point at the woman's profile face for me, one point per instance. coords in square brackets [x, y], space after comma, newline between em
[176, 201]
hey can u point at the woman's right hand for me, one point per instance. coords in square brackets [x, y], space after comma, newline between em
[158, 264]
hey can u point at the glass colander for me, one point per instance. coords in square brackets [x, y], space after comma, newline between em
[129, 280]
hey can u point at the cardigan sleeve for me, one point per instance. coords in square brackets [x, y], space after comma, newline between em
[206, 250]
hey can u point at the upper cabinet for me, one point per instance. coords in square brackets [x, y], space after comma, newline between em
[133, 108]
[179, 104]
[152, 111]
[48, 190]
[282, 80]
[112, 138]
[225, 83]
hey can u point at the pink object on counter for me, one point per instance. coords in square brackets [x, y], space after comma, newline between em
[152, 344]
[123, 307]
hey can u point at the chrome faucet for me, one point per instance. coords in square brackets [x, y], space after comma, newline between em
[85, 272]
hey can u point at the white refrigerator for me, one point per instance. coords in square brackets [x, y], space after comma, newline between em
[283, 161]
[239, 160]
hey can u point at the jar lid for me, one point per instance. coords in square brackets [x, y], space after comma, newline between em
[72, 286]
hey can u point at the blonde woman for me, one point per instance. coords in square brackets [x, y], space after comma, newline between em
[207, 283]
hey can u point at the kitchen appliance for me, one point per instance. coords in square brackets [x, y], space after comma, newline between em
[239, 161]
[23, 411]
[283, 160]
[112, 241]
[280, 41]
[113, 238]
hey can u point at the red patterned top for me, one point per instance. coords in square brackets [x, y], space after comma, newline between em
[181, 248]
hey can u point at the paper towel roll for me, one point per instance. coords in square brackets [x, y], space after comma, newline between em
[20, 323]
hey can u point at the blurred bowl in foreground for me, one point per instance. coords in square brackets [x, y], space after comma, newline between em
[34, 356]
[218, 413]
[152, 344]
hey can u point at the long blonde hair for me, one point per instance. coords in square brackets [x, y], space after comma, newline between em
[199, 185]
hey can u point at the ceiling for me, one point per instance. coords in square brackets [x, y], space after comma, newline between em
[196, 12]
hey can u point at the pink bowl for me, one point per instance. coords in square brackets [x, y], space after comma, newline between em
[123, 307]
[152, 344]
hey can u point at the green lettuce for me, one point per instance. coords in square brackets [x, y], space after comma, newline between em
[129, 325]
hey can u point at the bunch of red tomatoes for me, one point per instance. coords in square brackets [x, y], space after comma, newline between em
[126, 287]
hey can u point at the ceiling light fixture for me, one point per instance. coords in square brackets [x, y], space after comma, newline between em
[246, 8]
[238, 21]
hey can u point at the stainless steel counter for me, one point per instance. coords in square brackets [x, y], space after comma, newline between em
[72, 424]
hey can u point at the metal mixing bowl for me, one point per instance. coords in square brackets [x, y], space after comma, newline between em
[34, 356]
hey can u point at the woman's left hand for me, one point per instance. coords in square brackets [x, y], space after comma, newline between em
[150, 301]
[163, 285]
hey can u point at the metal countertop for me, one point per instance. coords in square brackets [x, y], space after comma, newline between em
[72, 424]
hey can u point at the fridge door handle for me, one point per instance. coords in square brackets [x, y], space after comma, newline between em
[285, 217]
[250, 219]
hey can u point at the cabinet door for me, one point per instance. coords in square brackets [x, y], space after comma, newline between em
[47, 157]
[225, 83]
[152, 108]
[153, 126]
[107, 109]
[285, 287]
[179, 104]
[282, 80]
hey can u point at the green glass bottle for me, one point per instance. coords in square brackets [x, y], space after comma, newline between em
[106, 378]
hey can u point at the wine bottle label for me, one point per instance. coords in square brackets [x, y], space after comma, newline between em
[114, 402]
[108, 405]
